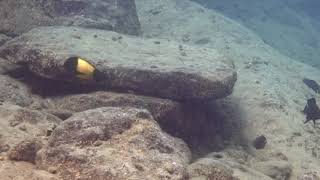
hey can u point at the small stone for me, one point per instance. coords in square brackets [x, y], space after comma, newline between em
[218, 156]
[4, 148]
[180, 47]
[95, 36]
[1, 158]
[144, 115]
[23, 128]
[169, 168]
[52, 170]
[76, 36]
[296, 134]
[114, 38]
[97, 143]
[183, 54]
[25, 151]
[62, 114]
[156, 42]
[186, 38]
[139, 167]
[14, 122]
[49, 132]
[260, 142]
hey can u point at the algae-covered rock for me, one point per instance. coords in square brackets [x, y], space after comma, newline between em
[114, 143]
[166, 70]
[19, 124]
[15, 92]
[19, 16]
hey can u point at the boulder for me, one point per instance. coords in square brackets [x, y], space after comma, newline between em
[114, 143]
[18, 125]
[19, 16]
[149, 67]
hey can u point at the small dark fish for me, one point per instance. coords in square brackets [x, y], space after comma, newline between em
[312, 111]
[312, 84]
[260, 142]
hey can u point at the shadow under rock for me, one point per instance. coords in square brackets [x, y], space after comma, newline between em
[49, 87]
[220, 127]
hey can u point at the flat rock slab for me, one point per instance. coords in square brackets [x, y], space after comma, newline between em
[149, 67]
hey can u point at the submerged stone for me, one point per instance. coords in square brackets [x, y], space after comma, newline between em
[19, 16]
[127, 64]
[114, 143]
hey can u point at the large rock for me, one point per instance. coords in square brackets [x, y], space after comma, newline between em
[114, 143]
[150, 67]
[14, 92]
[18, 16]
[19, 124]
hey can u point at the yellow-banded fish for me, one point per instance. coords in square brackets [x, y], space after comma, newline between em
[82, 69]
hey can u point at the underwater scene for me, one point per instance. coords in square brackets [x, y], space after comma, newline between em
[159, 90]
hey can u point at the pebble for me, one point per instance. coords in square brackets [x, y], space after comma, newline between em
[23, 128]
[169, 168]
[52, 170]
[97, 143]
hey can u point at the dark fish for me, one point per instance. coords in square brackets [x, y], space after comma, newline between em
[260, 142]
[312, 84]
[312, 111]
